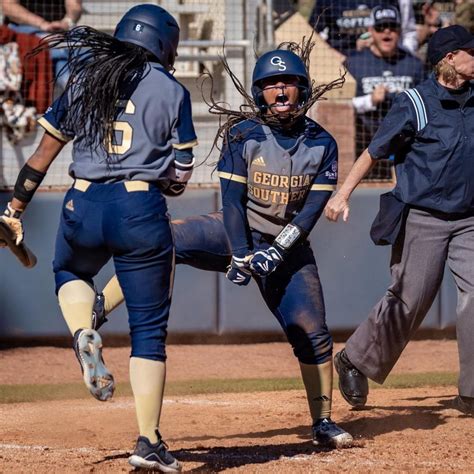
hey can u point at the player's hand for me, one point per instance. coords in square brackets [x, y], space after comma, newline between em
[265, 262]
[12, 219]
[238, 272]
[336, 206]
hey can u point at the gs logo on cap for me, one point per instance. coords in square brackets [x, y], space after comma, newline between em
[277, 61]
[138, 27]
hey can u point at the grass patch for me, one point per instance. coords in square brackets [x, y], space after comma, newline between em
[71, 391]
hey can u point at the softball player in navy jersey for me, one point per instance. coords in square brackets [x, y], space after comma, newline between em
[133, 138]
[277, 171]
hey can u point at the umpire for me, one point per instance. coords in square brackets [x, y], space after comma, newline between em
[428, 218]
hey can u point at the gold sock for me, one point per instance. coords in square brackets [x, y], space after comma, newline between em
[147, 378]
[76, 299]
[113, 295]
[317, 379]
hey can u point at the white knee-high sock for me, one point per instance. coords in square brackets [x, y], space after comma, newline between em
[113, 295]
[147, 378]
[317, 381]
[76, 299]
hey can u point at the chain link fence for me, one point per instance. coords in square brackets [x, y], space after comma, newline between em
[243, 28]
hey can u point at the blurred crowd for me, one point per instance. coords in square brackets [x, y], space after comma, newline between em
[384, 42]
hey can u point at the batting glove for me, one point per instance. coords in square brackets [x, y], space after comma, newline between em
[265, 262]
[238, 271]
[12, 218]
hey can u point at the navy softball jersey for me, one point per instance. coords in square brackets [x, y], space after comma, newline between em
[271, 177]
[147, 131]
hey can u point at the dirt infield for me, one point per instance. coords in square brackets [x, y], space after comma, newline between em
[412, 429]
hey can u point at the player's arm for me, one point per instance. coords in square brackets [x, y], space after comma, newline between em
[232, 172]
[324, 183]
[35, 169]
[30, 177]
[395, 131]
[183, 140]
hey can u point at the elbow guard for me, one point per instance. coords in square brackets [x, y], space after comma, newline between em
[181, 172]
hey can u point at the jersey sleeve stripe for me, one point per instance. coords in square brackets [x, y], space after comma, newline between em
[232, 177]
[423, 108]
[419, 107]
[52, 130]
[184, 146]
[323, 187]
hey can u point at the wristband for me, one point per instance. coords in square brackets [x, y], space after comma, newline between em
[27, 182]
[288, 237]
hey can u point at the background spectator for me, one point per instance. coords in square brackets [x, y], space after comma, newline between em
[464, 14]
[342, 23]
[41, 18]
[381, 72]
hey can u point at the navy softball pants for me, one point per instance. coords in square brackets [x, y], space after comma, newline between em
[292, 292]
[104, 221]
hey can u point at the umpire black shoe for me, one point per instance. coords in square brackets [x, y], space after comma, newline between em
[353, 384]
[88, 349]
[464, 404]
[153, 456]
[327, 433]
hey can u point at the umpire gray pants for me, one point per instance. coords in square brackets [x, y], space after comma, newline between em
[417, 266]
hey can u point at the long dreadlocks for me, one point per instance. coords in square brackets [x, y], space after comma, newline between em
[249, 110]
[102, 69]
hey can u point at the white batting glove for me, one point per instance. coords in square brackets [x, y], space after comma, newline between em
[12, 218]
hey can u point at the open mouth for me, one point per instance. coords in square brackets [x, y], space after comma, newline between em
[282, 103]
[282, 99]
[387, 39]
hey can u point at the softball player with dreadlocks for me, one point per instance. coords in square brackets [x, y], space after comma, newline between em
[277, 169]
[133, 138]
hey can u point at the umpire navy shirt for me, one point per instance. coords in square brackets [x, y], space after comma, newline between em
[434, 152]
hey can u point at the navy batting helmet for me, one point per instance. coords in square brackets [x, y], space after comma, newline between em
[152, 28]
[277, 63]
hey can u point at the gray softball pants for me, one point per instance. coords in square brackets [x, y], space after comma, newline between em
[417, 266]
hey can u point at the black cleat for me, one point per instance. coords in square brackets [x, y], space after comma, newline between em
[353, 384]
[153, 456]
[98, 312]
[327, 433]
[88, 349]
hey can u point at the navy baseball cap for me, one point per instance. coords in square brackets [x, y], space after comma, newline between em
[385, 15]
[446, 40]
